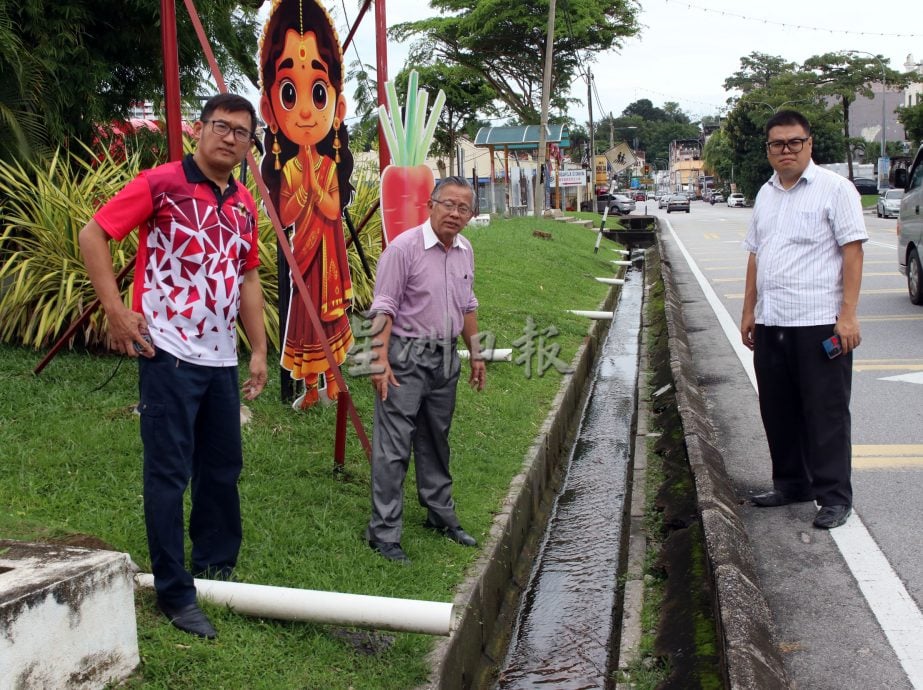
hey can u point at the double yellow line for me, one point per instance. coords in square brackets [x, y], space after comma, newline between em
[891, 456]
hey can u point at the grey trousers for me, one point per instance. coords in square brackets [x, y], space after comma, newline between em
[416, 417]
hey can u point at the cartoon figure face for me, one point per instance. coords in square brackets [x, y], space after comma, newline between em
[304, 102]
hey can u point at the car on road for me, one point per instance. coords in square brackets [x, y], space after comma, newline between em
[639, 196]
[889, 203]
[910, 226]
[662, 200]
[620, 203]
[866, 185]
[678, 202]
[736, 199]
[716, 197]
[602, 203]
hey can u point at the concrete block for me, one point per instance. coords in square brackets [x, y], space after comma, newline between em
[67, 617]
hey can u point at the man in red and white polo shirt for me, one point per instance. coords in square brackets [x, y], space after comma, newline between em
[196, 274]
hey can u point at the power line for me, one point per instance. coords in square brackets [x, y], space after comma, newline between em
[791, 25]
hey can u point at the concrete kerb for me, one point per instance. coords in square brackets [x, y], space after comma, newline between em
[752, 657]
[458, 662]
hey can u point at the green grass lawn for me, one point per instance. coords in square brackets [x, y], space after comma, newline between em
[70, 464]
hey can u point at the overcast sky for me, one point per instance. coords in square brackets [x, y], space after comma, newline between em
[687, 49]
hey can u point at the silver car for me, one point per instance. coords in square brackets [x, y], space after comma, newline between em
[678, 202]
[910, 227]
[889, 203]
[620, 204]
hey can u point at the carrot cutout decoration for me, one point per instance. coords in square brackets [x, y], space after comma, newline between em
[406, 184]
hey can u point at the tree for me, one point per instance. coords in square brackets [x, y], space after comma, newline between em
[93, 58]
[718, 155]
[746, 125]
[503, 42]
[645, 110]
[466, 95]
[757, 70]
[22, 131]
[912, 119]
[845, 76]
[363, 133]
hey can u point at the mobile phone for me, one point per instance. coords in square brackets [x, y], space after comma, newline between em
[832, 346]
[138, 348]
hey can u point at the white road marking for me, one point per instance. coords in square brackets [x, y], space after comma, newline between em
[906, 378]
[883, 244]
[896, 611]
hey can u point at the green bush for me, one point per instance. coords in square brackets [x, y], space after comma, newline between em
[43, 283]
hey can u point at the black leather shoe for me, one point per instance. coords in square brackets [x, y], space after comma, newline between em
[456, 534]
[829, 517]
[390, 550]
[775, 498]
[190, 619]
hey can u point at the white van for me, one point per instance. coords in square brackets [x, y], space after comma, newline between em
[910, 227]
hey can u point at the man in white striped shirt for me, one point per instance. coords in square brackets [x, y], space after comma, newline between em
[803, 277]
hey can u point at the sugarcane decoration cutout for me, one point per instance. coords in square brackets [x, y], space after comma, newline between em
[307, 167]
[407, 183]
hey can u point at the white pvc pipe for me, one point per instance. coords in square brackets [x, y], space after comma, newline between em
[497, 355]
[620, 262]
[333, 608]
[598, 315]
[612, 281]
[623, 252]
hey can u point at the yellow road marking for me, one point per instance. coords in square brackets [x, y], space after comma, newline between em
[892, 317]
[873, 457]
[712, 236]
[887, 367]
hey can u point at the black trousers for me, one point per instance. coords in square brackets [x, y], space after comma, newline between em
[190, 427]
[804, 403]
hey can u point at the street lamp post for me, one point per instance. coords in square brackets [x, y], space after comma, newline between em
[777, 108]
[882, 172]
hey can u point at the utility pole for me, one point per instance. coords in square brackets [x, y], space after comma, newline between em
[591, 193]
[546, 88]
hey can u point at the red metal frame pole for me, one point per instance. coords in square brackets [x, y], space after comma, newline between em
[171, 98]
[381, 55]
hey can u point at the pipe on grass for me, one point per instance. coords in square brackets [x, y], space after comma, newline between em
[496, 355]
[596, 315]
[332, 608]
[620, 262]
[612, 281]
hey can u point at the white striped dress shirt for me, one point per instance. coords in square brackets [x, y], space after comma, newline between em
[796, 235]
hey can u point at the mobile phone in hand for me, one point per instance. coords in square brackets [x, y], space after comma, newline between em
[832, 346]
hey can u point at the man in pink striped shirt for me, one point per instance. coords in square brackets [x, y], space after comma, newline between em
[424, 299]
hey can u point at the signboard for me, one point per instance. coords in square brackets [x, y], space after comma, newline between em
[884, 165]
[601, 165]
[568, 178]
[620, 157]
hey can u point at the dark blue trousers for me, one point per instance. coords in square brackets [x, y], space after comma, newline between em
[190, 428]
[804, 403]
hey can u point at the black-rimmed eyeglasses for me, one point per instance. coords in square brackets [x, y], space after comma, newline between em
[794, 145]
[451, 206]
[221, 128]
